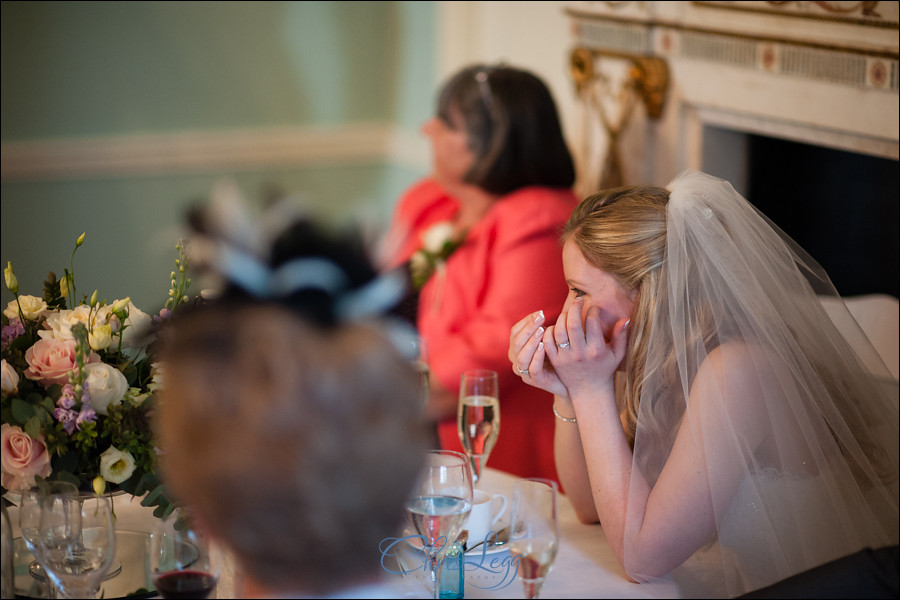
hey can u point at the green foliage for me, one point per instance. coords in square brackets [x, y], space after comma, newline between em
[52, 295]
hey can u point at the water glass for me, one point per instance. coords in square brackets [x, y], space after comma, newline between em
[77, 542]
[439, 506]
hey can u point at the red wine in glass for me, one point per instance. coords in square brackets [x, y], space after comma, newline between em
[185, 561]
[185, 584]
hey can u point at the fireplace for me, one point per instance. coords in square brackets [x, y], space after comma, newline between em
[840, 206]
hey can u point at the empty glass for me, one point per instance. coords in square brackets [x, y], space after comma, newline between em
[76, 542]
[535, 531]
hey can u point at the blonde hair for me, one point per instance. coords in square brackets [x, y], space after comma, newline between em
[297, 444]
[623, 232]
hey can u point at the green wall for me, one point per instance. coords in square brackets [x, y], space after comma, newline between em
[98, 70]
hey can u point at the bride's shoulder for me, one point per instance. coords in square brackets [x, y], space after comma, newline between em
[737, 360]
[739, 377]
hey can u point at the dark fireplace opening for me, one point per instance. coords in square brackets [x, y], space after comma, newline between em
[841, 207]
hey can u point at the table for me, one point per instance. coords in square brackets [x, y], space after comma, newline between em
[585, 566]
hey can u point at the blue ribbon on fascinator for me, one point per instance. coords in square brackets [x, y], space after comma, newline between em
[309, 273]
[235, 247]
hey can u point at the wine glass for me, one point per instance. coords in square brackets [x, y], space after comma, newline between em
[478, 416]
[30, 520]
[77, 541]
[534, 536]
[185, 562]
[440, 504]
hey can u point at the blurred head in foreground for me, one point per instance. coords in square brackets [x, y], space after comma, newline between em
[289, 422]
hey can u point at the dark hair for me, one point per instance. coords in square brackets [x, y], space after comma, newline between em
[513, 128]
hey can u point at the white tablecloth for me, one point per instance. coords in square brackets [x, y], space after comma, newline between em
[585, 566]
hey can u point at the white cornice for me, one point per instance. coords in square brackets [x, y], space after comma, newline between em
[210, 151]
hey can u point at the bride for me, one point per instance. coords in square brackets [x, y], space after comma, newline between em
[711, 415]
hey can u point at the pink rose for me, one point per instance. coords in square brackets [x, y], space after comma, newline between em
[50, 361]
[23, 458]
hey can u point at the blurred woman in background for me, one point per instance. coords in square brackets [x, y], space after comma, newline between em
[480, 235]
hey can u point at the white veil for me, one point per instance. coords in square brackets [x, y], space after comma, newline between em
[822, 484]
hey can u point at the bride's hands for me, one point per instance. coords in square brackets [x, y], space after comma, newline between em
[570, 356]
[527, 354]
[581, 356]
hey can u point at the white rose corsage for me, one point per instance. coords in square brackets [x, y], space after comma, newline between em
[438, 243]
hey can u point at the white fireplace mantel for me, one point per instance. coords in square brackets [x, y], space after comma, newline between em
[822, 73]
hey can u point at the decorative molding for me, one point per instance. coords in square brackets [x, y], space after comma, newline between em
[861, 69]
[844, 68]
[624, 37]
[798, 132]
[619, 25]
[867, 14]
[206, 151]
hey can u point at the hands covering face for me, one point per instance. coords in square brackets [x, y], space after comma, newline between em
[573, 354]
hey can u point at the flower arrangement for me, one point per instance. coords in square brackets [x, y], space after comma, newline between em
[438, 243]
[78, 389]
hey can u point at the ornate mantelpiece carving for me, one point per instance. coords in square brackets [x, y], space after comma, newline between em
[646, 80]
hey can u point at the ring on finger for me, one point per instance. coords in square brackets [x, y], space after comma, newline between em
[521, 371]
[564, 344]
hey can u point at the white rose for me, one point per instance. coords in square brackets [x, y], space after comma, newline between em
[103, 315]
[434, 237]
[106, 385]
[10, 379]
[59, 324]
[135, 339]
[116, 466]
[32, 307]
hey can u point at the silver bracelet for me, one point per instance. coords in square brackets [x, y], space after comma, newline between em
[562, 418]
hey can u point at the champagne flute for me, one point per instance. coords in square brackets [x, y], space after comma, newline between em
[534, 538]
[184, 561]
[77, 543]
[440, 504]
[478, 416]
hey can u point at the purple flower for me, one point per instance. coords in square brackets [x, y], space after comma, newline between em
[66, 417]
[67, 398]
[11, 331]
[85, 395]
[87, 414]
[164, 314]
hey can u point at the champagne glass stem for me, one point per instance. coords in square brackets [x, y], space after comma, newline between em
[477, 461]
[532, 587]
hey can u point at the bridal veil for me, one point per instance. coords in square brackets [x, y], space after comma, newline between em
[822, 483]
